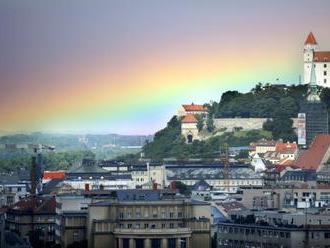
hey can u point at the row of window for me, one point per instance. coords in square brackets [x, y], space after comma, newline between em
[252, 231]
[150, 226]
[154, 214]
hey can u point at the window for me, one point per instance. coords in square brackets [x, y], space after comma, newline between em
[75, 236]
[121, 215]
[163, 225]
[129, 226]
[325, 73]
[180, 214]
[325, 65]
[327, 235]
[171, 225]
[171, 215]
[325, 80]
[146, 226]
[153, 226]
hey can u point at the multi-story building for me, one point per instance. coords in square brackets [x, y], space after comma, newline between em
[286, 198]
[71, 219]
[320, 60]
[91, 175]
[214, 174]
[274, 229]
[33, 218]
[146, 218]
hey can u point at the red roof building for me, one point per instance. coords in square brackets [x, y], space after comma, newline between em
[321, 56]
[48, 175]
[194, 107]
[283, 147]
[317, 155]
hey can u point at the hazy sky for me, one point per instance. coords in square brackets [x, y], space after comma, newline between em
[126, 66]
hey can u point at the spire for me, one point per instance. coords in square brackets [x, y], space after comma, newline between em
[310, 39]
[313, 95]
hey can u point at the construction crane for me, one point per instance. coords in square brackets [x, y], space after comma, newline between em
[224, 158]
[37, 149]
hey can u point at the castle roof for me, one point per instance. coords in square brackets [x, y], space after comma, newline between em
[310, 39]
[321, 56]
[189, 118]
[194, 107]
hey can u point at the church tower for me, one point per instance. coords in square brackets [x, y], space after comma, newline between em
[310, 47]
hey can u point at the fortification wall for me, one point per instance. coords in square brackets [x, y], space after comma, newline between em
[245, 123]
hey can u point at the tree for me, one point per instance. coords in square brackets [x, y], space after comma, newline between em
[210, 123]
[200, 122]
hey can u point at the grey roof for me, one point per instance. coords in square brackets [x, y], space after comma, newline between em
[299, 175]
[134, 195]
[87, 168]
[51, 186]
[199, 172]
[201, 185]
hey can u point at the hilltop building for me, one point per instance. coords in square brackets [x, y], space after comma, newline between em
[189, 128]
[192, 108]
[320, 60]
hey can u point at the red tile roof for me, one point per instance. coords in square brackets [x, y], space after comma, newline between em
[35, 205]
[321, 56]
[310, 39]
[194, 107]
[189, 118]
[282, 147]
[53, 175]
[312, 158]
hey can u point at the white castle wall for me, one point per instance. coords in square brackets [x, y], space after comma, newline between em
[245, 123]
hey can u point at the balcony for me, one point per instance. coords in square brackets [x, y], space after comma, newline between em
[158, 231]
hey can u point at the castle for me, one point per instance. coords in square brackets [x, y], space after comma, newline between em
[320, 60]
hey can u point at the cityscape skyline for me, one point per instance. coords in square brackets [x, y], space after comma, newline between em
[126, 67]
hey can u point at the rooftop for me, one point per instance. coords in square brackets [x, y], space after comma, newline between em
[310, 39]
[189, 118]
[194, 107]
[313, 157]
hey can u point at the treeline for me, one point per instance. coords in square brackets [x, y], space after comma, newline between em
[15, 160]
[262, 101]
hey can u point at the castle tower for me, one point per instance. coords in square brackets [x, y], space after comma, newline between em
[314, 113]
[310, 47]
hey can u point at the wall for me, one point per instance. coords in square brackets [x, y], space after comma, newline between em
[245, 123]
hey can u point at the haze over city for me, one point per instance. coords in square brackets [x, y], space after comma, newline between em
[126, 66]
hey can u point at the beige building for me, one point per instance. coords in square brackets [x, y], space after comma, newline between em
[286, 198]
[71, 219]
[147, 174]
[189, 128]
[150, 219]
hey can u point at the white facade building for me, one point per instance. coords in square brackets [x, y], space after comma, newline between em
[320, 59]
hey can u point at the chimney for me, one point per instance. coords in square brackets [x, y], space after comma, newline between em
[86, 186]
[154, 185]
[173, 186]
[34, 175]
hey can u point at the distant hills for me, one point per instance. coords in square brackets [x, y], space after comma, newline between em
[65, 142]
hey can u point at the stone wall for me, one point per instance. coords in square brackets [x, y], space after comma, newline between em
[245, 123]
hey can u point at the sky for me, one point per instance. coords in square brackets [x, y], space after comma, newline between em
[125, 67]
